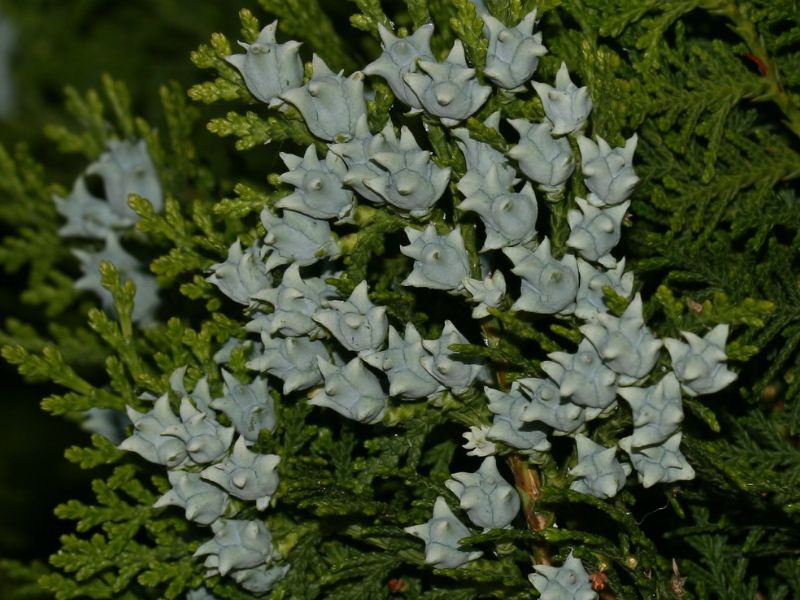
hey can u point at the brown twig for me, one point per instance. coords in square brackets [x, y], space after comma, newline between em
[528, 482]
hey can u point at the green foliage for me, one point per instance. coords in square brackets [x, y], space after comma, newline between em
[468, 26]
[717, 117]
[60, 45]
[111, 563]
[714, 234]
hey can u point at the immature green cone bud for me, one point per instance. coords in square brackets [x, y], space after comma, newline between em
[294, 301]
[608, 172]
[478, 442]
[657, 411]
[509, 218]
[242, 274]
[297, 239]
[128, 169]
[146, 300]
[566, 105]
[409, 179]
[598, 471]
[441, 535]
[548, 407]
[663, 463]
[204, 438]
[246, 475]
[570, 581]
[508, 425]
[330, 103]
[440, 261]
[625, 344]
[237, 544]
[513, 52]
[86, 215]
[549, 285]
[356, 323]
[293, 360]
[582, 377]
[487, 292]
[591, 298]
[319, 191]
[148, 440]
[203, 502]
[444, 364]
[449, 89]
[351, 390]
[700, 364]
[360, 167]
[542, 158]
[400, 56]
[261, 579]
[482, 158]
[269, 68]
[200, 594]
[489, 500]
[250, 407]
[401, 361]
[594, 232]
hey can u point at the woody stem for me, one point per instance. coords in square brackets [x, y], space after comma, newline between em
[529, 483]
